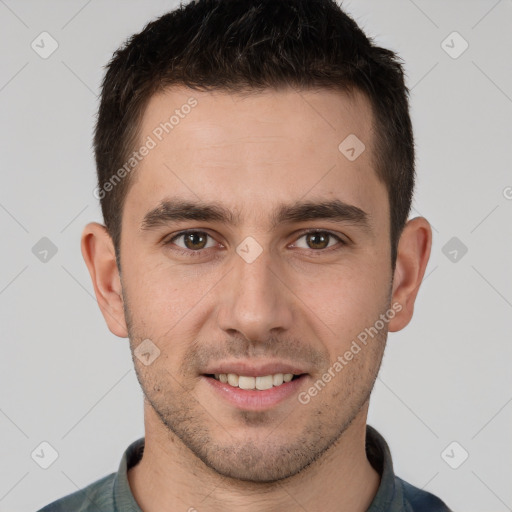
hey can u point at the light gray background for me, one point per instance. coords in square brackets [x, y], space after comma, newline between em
[68, 381]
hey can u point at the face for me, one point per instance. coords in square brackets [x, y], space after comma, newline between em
[259, 285]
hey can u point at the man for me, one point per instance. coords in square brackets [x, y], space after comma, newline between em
[255, 169]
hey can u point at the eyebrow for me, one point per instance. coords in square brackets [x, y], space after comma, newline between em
[171, 210]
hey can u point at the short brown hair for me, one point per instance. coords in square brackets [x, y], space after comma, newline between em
[249, 45]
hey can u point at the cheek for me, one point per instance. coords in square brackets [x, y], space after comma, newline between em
[347, 298]
[163, 297]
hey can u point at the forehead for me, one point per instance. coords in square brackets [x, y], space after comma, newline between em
[217, 119]
[247, 151]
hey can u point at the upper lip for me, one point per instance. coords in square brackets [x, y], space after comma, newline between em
[254, 370]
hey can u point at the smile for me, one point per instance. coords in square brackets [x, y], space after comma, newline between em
[260, 383]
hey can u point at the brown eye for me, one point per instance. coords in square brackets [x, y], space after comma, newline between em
[319, 240]
[194, 241]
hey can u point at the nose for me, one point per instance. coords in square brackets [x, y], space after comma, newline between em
[257, 302]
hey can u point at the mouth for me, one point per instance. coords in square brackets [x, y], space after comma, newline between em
[256, 383]
[255, 393]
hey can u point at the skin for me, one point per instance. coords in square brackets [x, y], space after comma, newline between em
[250, 154]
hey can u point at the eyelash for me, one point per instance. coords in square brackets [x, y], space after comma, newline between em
[190, 252]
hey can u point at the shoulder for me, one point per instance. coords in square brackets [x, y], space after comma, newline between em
[419, 500]
[97, 497]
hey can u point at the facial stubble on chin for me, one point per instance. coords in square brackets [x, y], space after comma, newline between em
[284, 450]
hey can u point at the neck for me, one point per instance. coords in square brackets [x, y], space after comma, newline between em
[170, 476]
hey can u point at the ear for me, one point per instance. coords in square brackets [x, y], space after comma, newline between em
[412, 257]
[99, 255]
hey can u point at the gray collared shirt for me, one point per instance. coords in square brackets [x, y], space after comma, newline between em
[112, 493]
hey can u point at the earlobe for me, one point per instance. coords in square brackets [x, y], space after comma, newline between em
[412, 258]
[99, 255]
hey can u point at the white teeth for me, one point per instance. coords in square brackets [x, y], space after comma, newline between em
[264, 382]
[260, 383]
[233, 380]
[246, 382]
[277, 379]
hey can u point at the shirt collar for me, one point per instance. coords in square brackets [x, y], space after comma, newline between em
[123, 496]
[389, 497]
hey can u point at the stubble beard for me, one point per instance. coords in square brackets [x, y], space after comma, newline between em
[290, 444]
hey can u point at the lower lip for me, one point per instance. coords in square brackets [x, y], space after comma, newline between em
[255, 400]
